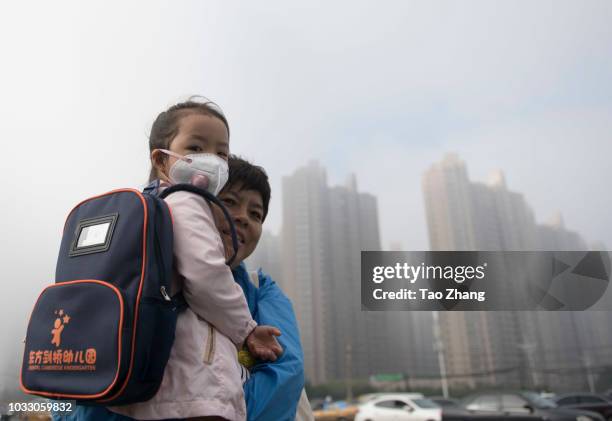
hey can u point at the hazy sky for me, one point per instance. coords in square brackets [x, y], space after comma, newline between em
[382, 89]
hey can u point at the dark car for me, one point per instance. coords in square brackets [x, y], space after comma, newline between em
[515, 406]
[587, 401]
[452, 409]
[482, 407]
[445, 402]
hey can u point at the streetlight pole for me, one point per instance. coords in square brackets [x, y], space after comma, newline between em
[349, 372]
[528, 348]
[439, 347]
[590, 377]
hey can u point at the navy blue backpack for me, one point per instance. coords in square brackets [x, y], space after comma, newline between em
[102, 333]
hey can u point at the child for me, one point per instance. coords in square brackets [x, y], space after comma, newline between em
[190, 143]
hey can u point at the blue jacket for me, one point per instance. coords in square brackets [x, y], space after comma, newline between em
[273, 390]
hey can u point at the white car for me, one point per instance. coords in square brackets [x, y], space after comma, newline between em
[369, 396]
[399, 407]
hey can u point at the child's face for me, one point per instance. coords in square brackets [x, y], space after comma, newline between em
[246, 209]
[197, 133]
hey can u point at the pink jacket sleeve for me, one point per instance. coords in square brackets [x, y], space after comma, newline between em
[208, 286]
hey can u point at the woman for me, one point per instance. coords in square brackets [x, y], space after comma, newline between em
[272, 389]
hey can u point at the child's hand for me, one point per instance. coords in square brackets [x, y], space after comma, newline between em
[262, 343]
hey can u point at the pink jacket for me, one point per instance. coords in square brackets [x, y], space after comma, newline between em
[202, 377]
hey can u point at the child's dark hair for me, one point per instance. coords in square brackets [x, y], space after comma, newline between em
[249, 177]
[165, 127]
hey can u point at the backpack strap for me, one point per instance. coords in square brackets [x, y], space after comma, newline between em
[179, 301]
[210, 198]
[152, 188]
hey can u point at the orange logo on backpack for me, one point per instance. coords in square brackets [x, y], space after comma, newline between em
[62, 359]
[58, 327]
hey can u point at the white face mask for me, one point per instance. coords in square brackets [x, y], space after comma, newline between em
[204, 170]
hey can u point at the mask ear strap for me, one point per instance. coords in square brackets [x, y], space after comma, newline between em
[219, 178]
[174, 154]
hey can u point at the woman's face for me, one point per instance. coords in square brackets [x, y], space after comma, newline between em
[246, 209]
[197, 133]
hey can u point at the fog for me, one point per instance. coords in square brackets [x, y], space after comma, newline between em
[380, 90]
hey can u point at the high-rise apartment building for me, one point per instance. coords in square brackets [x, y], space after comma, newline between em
[511, 349]
[324, 231]
[306, 262]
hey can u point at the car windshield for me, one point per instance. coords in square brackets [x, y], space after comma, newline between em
[425, 403]
[538, 401]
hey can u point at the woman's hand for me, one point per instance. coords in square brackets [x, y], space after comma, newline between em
[262, 343]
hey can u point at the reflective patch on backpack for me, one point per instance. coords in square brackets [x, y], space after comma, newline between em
[93, 235]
